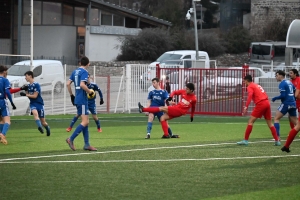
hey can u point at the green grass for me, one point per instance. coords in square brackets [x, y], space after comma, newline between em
[205, 163]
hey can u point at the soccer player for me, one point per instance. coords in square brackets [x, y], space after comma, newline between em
[91, 106]
[288, 104]
[156, 98]
[80, 79]
[188, 100]
[262, 108]
[36, 102]
[293, 132]
[4, 92]
[295, 79]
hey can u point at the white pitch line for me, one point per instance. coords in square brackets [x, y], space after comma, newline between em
[127, 161]
[131, 150]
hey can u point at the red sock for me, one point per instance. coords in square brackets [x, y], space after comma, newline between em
[151, 109]
[164, 127]
[248, 131]
[292, 125]
[274, 133]
[290, 138]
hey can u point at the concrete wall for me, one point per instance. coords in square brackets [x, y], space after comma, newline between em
[50, 41]
[5, 46]
[101, 47]
[265, 11]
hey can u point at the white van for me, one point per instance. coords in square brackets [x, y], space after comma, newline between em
[48, 73]
[172, 59]
[266, 52]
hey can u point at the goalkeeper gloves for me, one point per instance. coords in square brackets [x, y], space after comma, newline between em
[72, 99]
[13, 106]
[24, 87]
[101, 101]
[23, 94]
[192, 119]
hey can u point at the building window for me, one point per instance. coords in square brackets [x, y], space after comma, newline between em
[106, 18]
[94, 17]
[118, 20]
[80, 15]
[67, 15]
[36, 12]
[51, 13]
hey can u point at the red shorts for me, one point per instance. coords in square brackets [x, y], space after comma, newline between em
[263, 108]
[174, 111]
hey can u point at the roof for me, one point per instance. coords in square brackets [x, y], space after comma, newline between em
[130, 11]
[37, 62]
[186, 52]
[271, 42]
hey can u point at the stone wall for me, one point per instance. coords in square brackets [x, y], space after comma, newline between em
[116, 68]
[265, 11]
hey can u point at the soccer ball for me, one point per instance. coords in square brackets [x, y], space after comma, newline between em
[91, 97]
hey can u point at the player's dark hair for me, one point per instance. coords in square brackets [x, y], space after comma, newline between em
[155, 79]
[3, 68]
[248, 78]
[84, 61]
[295, 71]
[280, 72]
[29, 73]
[191, 86]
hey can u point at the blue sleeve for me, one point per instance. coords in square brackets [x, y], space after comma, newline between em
[166, 95]
[99, 91]
[84, 76]
[150, 96]
[8, 95]
[282, 90]
[72, 77]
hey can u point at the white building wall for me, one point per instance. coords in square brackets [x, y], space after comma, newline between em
[50, 41]
[101, 47]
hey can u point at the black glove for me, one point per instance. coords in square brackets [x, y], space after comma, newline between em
[101, 101]
[91, 94]
[192, 119]
[24, 87]
[72, 99]
[23, 94]
[170, 99]
[13, 106]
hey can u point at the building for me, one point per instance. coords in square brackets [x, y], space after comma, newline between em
[69, 29]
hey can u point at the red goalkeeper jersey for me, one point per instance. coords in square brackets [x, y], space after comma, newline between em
[187, 101]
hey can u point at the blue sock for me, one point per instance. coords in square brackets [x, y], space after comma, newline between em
[73, 121]
[170, 131]
[149, 127]
[5, 128]
[97, 123]
[1, 127]
[85, 132]
[78, 129]
[47, 128]
[277, 127]
[38, 123]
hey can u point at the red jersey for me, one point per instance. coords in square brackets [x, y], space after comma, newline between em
[187, 101]
[255, 92]
[296, 81]
[14, 90]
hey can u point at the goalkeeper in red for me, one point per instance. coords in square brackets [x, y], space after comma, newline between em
[188, 100]
[262, 108]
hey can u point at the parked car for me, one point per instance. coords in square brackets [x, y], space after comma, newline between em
[22, 105]
[174, 59]
[48, 73]
[230, 81]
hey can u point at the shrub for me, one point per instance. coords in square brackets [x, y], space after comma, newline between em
[149, 44]
[276, 30]
[237, 40]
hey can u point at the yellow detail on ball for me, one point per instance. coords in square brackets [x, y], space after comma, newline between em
[90, 97]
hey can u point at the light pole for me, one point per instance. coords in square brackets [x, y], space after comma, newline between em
[196, 29]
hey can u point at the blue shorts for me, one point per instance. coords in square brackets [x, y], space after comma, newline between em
[292, 110]
[92, 109]
[40, 109]
[4, 109]
[82, 109]
[158, 115]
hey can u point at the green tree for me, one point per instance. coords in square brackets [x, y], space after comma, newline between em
[237, 40]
